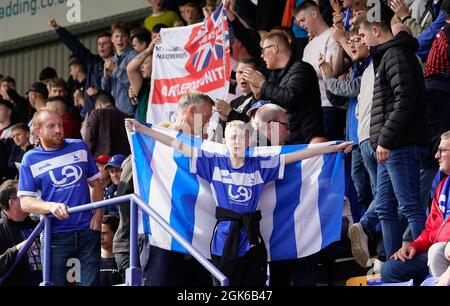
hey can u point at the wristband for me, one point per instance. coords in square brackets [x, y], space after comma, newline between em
[406, 18]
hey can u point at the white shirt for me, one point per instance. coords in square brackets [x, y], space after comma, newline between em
[364, 106]
[322, 44]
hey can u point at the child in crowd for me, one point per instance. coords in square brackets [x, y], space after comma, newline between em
[114, 168]
[20, 133]
[237, 248]
[109, 274]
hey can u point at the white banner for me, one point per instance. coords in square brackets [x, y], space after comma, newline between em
[191, 57]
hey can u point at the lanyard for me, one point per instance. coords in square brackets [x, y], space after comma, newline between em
[443, 199]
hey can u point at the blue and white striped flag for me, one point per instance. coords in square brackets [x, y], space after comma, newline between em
[301, 214]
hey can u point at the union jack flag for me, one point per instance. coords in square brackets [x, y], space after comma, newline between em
[206, 42]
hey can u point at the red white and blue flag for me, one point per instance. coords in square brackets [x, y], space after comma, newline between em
[192, 57]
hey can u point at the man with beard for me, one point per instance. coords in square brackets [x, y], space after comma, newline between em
[61, 171]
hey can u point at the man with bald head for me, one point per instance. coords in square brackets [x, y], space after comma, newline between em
[272, 123]
[293, 85]
[170, 268]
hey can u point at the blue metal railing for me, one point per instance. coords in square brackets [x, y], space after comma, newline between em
[133, 273]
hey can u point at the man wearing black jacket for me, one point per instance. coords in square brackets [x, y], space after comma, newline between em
[15, 227]
[398, 129]
[94, 63]
[287, 82]
[9, 93]
[293, 85]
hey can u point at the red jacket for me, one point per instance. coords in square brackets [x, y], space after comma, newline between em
[436, 229]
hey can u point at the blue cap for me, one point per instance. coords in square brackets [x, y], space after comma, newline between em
[256, 105]
[115, 161]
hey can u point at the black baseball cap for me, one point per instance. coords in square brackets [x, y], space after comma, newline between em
[40, 88]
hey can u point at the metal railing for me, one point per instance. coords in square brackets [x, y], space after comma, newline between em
[133, 275]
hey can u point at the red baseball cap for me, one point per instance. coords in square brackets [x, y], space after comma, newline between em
[102, 159]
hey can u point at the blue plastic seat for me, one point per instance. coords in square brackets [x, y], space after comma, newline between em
[404, 284]
[428, 282]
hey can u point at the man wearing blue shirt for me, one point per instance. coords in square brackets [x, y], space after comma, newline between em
[115, 79]
[61, 171]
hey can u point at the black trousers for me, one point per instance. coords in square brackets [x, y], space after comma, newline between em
[250, 270]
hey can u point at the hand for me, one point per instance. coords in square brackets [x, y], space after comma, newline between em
[132, 95]
[178, 23]
[96, 223]
[256, 92]
[444, 279]
[205, 12]
[382, 154]
[106, 72]
[92, 91]
[59, 210]
[339, 34]
[33, 246]
[336, 5]
[223, 108]
[338, 19]
[53, 24]
[4, 94]
[345, 147]
[400, 9]
[325, 68]
[405, 253]
[133, 125]
[78, 98]
[110, 64]
[156, 40]
[20, 245]
[395, 20]
[254, 77]
[230, 8]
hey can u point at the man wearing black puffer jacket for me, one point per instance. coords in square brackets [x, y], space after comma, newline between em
[398, 130]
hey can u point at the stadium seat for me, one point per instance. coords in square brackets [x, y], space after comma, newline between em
[404, 284]
[430, 281]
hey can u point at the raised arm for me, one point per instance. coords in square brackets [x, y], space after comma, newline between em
[162, 138]
[311, 152]
[72, 43]
[133, 67]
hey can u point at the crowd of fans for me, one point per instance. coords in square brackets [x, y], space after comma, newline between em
[314, 71]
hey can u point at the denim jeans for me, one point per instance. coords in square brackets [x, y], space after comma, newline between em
[361, 179]
[69, 249]
[396, 271]
[426, 182]
[398, 180]
[370, 218]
